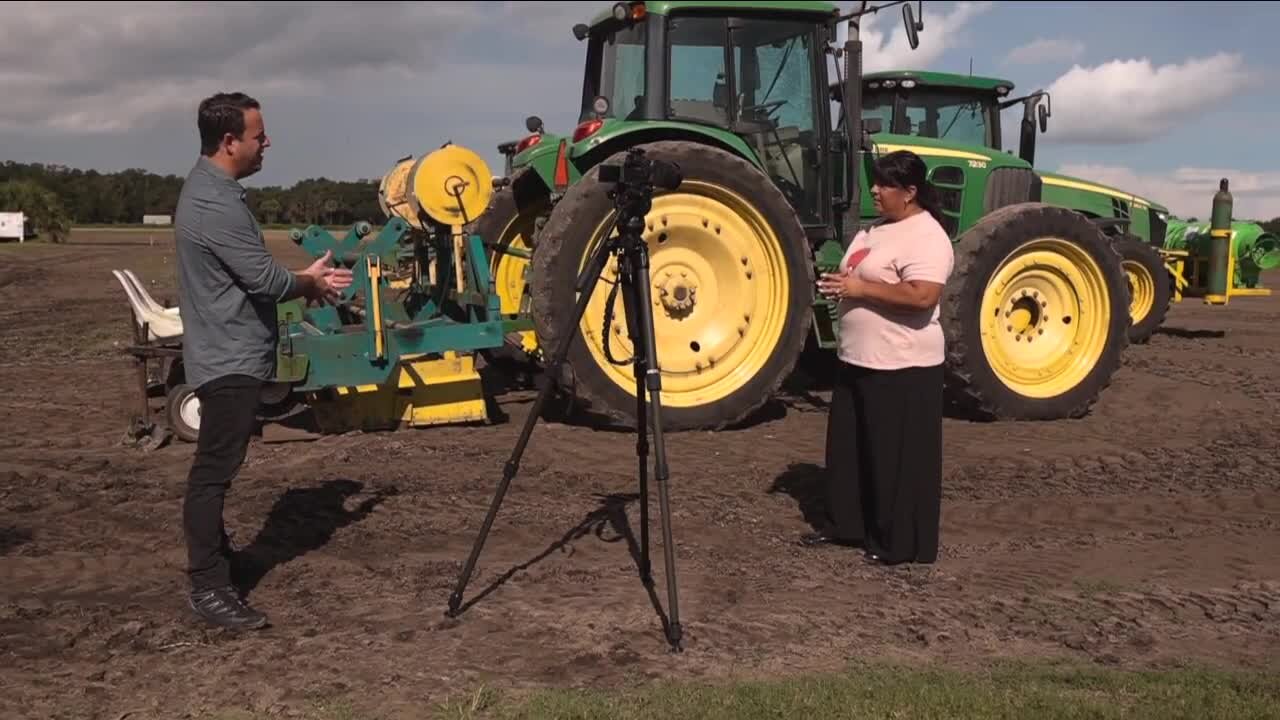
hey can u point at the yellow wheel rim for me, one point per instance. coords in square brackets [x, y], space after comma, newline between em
[510, 272]
[1142, 290]
[720, 290]
[1045, 318]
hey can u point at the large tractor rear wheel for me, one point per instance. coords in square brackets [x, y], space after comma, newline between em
[509, 223]
[732, 286]
[1036, 315]
[1150, 286]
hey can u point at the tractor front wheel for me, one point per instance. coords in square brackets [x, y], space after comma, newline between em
[1036, 314]
[1150, 286]
[509, 222]
[732, 286]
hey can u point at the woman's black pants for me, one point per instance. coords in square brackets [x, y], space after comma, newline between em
[884, 461]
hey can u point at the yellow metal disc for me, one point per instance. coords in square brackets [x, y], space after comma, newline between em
[720, 293]
[393, 193]
[452, 185]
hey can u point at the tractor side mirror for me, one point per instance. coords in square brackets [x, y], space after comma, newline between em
[533, 124]
[913, 26]
[1044, 118]
[580, 31]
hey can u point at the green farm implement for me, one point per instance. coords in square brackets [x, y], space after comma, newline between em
[398, 348]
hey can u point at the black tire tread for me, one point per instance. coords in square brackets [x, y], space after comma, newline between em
[525, 193]
[1132, 247]
[982, 397]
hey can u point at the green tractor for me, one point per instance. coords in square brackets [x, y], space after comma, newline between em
[965, 110]
[1164, 258]
[775, 184]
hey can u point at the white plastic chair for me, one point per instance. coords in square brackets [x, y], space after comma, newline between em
[160, 325]
[146, 296]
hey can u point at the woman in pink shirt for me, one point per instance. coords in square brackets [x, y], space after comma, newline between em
[884, 437]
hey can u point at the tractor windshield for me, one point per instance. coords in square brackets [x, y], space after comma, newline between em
[619, 59]
[958, 116]
[754, 78]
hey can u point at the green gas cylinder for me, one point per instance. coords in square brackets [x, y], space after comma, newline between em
[1220, 247]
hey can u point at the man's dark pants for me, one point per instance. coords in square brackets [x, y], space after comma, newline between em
[228, 407]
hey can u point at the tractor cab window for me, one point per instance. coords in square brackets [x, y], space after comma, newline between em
[959, 117]
[878, 106]
[621, 73]
[756, 79]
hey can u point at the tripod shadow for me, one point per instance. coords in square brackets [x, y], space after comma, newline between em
[302, 520]
[611, 514]
[804, 483]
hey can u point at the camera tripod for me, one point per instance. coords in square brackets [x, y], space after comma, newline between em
[633, 192]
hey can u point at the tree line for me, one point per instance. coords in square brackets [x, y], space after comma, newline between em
[57, 197]
[89, 197]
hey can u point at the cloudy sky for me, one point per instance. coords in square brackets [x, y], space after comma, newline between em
[1161, 98]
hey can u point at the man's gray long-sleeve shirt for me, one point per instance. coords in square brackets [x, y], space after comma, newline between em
[228, 283]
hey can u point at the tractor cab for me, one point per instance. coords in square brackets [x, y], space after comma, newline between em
[959, 109]
[755, 73]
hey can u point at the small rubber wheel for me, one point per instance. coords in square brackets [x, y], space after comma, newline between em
[182, 410]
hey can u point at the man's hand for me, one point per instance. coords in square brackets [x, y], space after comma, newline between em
[321, 282]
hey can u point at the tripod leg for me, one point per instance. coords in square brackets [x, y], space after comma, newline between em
[639, 259]
[587, 285]
[630, 300]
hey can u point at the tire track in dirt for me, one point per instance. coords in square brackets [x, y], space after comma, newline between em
[973, 529]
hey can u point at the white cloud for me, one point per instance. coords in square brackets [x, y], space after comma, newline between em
[1042, 50]
[884, 38]
[1188, 191]
[107, 68]
[1129, 101]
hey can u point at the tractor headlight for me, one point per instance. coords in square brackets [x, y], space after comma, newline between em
[600, 106]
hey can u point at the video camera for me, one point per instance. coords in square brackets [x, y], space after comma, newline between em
[642, 173]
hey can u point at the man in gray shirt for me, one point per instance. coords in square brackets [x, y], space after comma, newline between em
[229, 285]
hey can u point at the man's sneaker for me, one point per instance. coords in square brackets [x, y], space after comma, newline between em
[224, 608]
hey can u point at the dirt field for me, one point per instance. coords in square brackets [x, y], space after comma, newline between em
[1145, 535]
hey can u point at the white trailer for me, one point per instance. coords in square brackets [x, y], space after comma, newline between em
[13, 226]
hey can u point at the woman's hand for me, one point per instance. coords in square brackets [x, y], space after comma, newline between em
[841, 286]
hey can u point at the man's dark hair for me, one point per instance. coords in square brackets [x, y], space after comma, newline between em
[221, 114]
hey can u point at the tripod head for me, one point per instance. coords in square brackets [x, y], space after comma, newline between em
[634, 183]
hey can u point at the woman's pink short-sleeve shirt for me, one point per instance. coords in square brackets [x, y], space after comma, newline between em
[882, 338]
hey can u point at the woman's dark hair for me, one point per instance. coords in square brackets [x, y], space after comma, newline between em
[903, 169]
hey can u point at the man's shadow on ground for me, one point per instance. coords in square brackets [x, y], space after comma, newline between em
[302, 520]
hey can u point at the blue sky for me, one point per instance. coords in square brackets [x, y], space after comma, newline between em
[1160, 98]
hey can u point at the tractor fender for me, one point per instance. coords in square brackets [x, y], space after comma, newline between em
[541, 158]
[609, 141]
